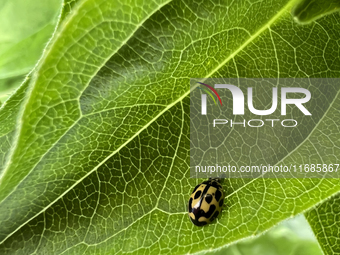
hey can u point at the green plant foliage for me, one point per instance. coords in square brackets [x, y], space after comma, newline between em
[325, 222]
[293, 237]
[10, 110]
[24, 33]
[8, 85]
[307, 11]
[97, 158]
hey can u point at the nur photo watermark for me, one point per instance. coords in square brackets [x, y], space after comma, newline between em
[252, 127]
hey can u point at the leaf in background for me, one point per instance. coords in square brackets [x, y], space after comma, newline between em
[100, 162]
[293, 237]
[10, 110]
[8, 117]
[307, 11]
[24, 32]
[22, 56]
[325, 222]
[7, 86]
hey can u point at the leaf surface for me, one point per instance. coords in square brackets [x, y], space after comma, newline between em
[100, 162]
[307, 11]
[10, 109]
[325, 222]
[293, 237]
[23, 33]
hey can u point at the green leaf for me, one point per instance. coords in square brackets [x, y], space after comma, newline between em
[293, 237]
[10, 109]
[24, 32]
[67, 7]
[307, 11]
[100, 158]
[23, 39]
[8, 116]
[325, 222]
[8, 86]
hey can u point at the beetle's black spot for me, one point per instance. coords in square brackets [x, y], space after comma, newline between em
[221, 202]
[198, 194]
[214, 184]
[208, 198]
[210, 212]
[214, 216]
[196, 188]
[190, 204]
[218, 195]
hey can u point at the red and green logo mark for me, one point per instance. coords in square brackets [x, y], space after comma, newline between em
[209, 93]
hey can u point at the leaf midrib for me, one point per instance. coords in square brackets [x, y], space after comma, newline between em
[179, 99]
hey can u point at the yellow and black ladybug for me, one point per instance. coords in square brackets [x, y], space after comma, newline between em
[206, 202]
